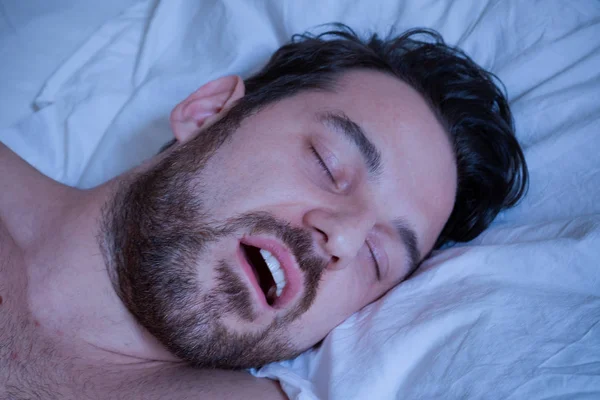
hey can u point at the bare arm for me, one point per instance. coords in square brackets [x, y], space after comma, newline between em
[178, 382]
[182, 382]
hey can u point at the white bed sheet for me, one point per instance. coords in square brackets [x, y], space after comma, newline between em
[36, 36]
[513, 314]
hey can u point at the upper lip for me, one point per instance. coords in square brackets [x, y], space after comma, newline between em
[287, 262]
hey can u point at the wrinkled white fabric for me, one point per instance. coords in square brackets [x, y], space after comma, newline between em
[514, 314]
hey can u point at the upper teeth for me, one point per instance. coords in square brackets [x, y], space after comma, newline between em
[276, 271]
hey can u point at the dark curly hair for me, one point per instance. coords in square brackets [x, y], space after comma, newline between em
[467, 100]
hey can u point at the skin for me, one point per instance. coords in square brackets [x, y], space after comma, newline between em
[56, 279]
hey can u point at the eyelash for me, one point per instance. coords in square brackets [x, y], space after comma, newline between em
[377, 271]
[322, 163]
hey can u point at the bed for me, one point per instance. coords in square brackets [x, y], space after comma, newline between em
[85, 94]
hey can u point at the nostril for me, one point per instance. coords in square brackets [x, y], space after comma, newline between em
[334, 263]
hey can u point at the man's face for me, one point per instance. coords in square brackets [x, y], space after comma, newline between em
[251, 250]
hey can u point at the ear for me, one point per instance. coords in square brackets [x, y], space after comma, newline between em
[204, 105]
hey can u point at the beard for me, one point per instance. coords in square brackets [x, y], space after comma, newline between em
[155, 232]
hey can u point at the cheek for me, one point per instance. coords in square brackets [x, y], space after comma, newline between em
[339, 297]
[238, 181]
[345, 294]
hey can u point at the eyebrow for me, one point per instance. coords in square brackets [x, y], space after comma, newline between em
[409, 238]
[340, 122]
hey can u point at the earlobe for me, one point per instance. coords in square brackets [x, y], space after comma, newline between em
[202, 107]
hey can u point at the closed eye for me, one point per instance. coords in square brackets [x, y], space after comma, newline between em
[322, 163]
[377, 270]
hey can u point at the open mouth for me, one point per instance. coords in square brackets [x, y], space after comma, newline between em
[267, 270]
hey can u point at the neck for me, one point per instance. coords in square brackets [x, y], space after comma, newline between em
[69, 290]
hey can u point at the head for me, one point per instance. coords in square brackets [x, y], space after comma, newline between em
[291, 200]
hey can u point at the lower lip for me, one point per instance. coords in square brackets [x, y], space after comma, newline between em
[249, 271]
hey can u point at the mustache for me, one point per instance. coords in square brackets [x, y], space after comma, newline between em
[300, 243]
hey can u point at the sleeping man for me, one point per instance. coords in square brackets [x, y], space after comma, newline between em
[284, 204]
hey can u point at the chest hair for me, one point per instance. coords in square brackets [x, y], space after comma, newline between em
[30, 366]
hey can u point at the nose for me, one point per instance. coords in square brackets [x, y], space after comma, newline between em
[340, 234]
